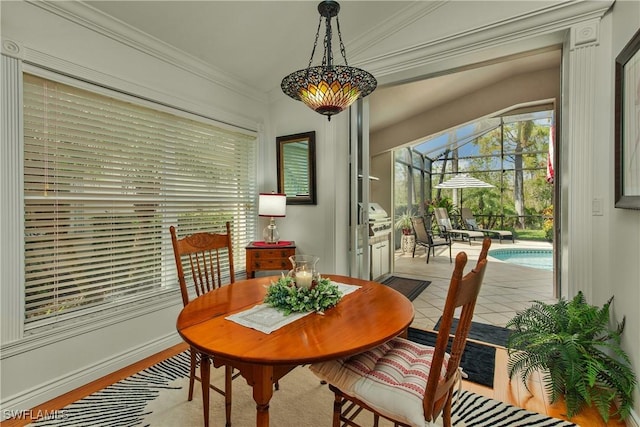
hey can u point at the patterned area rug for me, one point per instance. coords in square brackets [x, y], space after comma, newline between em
[157, 396]
[410, 288]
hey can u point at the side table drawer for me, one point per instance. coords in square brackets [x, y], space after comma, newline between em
[266, 254]
[271, 264]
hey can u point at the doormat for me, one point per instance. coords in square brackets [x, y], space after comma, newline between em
[486, 333]
[410, 288]
[478, 360]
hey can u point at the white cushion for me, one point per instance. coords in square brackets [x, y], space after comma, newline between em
[446, 223]
[391, 378]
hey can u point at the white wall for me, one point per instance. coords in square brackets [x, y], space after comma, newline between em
[317, 229]
[601, 251]
[616, 256]
[31, 375]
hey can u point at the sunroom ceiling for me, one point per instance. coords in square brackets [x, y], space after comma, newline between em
[458, 137]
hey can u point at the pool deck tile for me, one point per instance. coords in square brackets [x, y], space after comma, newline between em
[506, 289]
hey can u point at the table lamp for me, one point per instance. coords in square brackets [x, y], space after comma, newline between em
[272, 205]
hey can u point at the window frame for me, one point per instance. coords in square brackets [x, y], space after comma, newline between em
[17, 340]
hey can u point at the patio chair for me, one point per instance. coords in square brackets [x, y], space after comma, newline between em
[471, 224]
[442, 217]
[408, 383]
[426, 238]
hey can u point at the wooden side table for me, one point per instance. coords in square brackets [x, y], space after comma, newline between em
[265, 256]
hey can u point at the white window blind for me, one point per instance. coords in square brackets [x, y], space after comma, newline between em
[104, 179]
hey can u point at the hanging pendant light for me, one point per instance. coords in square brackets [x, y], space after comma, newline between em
[327, 88]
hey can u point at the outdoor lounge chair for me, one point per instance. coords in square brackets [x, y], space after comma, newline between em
[471, 224]
[425, 237]
[442, 217]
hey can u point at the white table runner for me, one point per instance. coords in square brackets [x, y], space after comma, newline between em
[267, 319]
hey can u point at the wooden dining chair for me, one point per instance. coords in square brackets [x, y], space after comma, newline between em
[206, 256]
[408, 383]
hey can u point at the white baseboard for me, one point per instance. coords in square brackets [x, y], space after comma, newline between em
[633, 420]
[47, 391]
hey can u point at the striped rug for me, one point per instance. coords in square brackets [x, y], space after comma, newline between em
[157, 396]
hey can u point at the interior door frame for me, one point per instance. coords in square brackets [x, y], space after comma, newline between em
[359, 255]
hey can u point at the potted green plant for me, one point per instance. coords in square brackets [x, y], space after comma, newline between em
[572, 344]
[403, 223]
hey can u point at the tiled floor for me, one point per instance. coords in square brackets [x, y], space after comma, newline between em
[507, 288]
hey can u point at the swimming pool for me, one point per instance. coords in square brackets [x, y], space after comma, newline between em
[534, 258]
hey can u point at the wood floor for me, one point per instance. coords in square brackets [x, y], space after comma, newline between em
[513, 393]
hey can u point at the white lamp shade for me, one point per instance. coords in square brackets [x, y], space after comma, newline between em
[272, 204]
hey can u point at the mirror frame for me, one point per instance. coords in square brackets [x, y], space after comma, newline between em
[281, 141]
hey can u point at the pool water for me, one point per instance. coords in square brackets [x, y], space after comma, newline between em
[534, 258]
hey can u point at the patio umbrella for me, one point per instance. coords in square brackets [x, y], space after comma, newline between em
[462, 181]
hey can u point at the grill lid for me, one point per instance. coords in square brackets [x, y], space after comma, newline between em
[377, 213]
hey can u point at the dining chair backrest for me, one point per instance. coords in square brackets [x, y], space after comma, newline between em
[484, 251]
[461, 300]
[206, 255]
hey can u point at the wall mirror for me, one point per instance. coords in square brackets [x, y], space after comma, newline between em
[297, 168]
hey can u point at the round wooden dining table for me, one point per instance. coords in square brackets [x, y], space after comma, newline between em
[363, 319]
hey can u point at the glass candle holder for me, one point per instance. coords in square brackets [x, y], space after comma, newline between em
[304, 272]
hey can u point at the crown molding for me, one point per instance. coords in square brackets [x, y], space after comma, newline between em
[545, 26]
[395, 23]
[83, 14]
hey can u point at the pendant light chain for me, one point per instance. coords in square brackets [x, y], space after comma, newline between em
[315, 43]
[327, 59]
[343, 51]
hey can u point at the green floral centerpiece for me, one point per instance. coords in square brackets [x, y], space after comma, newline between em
[286, 297]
